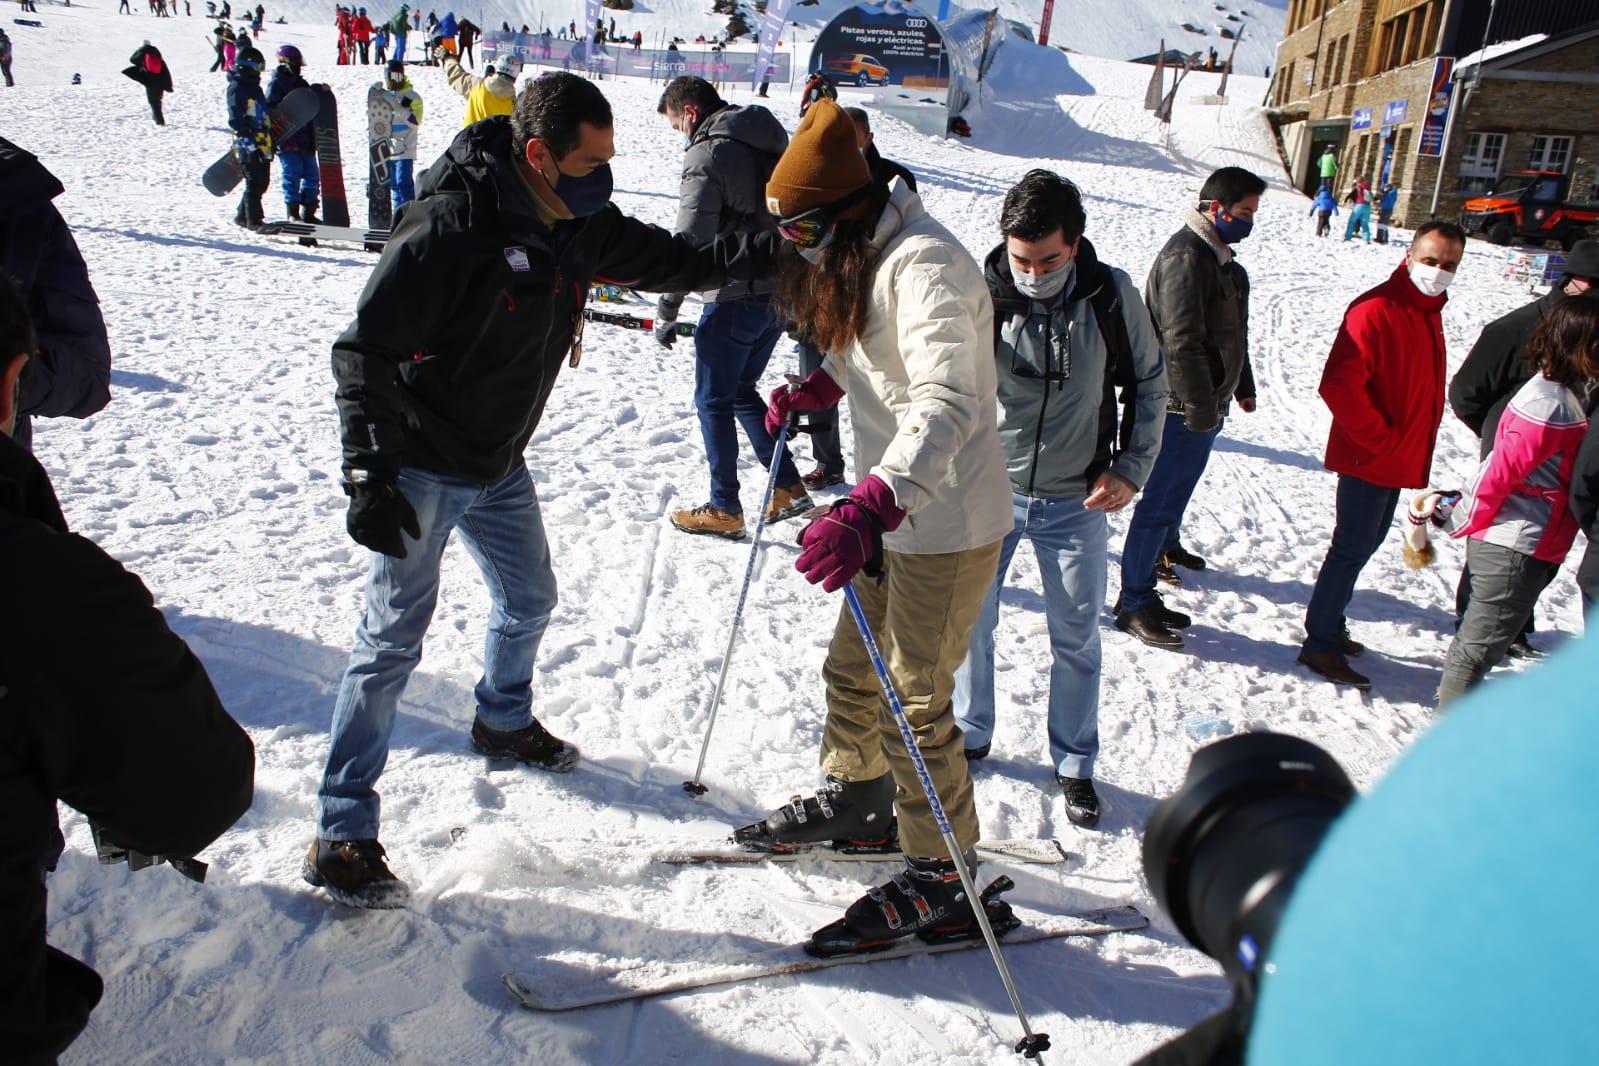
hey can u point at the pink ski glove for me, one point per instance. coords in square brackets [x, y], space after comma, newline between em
[847, 538]
[816, 393]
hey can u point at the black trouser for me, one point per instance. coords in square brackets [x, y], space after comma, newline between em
[466, 55]
[825, 443]
[257, 176]
[365, 47]
[153, 93]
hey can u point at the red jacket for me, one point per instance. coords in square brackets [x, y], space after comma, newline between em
[1384, 383]
[362, 28]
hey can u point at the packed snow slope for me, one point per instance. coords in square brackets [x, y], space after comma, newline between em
[214, 473]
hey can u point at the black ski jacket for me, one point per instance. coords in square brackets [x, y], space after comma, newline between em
[103, 708]
[471, 311]
[70, 374]
[1495, 369]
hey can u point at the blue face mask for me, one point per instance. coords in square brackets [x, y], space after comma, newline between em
[1232, 230]
[587, 195]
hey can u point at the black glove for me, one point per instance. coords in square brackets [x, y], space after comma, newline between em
[378, 511]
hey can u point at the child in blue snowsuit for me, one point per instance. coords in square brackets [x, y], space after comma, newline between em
[1324, 206]
[251, 124]
[297, 165]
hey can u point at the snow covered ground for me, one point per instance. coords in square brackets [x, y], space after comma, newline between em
[214, 474]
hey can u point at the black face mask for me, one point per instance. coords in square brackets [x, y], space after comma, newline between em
[587, 195]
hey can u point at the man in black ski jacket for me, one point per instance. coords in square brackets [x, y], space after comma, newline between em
[1496, 368]
[70, 373]
[442, 378]
[102, 708]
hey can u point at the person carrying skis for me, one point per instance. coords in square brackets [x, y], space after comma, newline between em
[902, 312]
[146, 67]
[405, 111]
[1324, 206]
[361, 30]
[399, 26]
[297, 162]
[251, 124]
[492, 94]
[435, 446]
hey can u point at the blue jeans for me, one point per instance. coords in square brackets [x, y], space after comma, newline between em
[399, 48]
[1158, 516]
[502, 530]
[1365, 511]
[401, 182]
[1071, 544]
[298, 173]
[732, 346]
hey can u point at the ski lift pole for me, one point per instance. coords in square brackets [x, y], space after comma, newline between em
[694, 787]
[1031, 1043]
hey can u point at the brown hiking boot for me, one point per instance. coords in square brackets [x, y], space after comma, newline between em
[533, 746]
[1165, 574]
[1331, 665]
[353, 872]
[710, 520]
[821, 479]
[786, 503]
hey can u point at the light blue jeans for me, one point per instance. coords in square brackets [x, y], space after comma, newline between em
[1071, 544]
[502, 530]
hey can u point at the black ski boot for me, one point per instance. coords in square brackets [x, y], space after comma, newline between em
[854, 816]
[927, 900]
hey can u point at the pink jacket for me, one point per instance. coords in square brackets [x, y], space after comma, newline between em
[1520, 497]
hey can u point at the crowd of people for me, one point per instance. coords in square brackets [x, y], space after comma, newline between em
[1028, 395]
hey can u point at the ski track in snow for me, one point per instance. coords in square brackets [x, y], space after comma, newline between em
[214, 475]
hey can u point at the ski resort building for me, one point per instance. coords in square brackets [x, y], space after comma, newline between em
[1441, 97]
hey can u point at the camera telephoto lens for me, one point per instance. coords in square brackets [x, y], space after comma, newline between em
[1223, 853]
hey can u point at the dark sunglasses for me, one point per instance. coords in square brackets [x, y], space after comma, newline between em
[809, 228]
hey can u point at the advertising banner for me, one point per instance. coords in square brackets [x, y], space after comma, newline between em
[1439, 101]
[771, 30]
[1394, 113]
[884, 43]
[720, 67]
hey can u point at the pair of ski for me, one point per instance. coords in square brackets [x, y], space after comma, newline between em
[566, 984]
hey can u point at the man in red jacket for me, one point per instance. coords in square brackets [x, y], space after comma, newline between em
[1384, 383]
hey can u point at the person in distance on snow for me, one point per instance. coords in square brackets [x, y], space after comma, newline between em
[297, 162]
[148, 68]
[126, 729]
[728, 153]
[1496, 367]
[361, 31]
[1068, 331]
[1198, 297]
[457, 341]
[405, 108]
[1324, 206]
[1384, 383]
[1517, 513]
[492, 94]
[901, 309]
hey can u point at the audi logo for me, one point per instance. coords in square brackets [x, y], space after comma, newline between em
[916, 24]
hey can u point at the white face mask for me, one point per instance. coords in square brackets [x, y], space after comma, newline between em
[814, 255]
[1432, 281]
[1044, 286]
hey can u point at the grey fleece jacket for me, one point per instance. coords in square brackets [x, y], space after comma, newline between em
[725, 169]
[1058, 407]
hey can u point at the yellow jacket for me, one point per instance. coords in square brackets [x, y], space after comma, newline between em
[493, 95]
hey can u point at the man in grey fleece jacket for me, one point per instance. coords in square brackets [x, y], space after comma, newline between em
[1069, 331]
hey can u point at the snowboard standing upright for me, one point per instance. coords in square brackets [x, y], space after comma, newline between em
[298, 108]
[329, 159]
[380, 122]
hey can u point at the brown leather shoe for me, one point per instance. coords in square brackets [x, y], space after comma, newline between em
[1349, 646]
[1145, 624]
[1164, 615]
[1165, 574]
[1331, 665]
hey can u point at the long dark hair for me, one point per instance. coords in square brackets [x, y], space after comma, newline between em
[1565, 346]
[827, 300]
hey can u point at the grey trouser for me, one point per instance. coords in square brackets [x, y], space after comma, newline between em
[1504, 586]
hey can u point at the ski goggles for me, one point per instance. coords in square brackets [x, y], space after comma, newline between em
[809, 229]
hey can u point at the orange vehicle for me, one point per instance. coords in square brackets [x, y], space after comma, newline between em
[1531, 207]
[858, 67]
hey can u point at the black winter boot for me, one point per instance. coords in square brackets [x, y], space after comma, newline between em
[310, 213]
[294, 211]
[927, 900]
[852, 815]
[253, 214]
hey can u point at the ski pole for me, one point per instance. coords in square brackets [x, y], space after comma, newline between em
[694, 788]
[1031, 1043]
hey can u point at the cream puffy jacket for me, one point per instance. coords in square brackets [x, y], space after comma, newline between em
[921, 386]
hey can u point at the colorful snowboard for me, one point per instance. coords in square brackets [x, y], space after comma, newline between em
[298, 108]
[379, 199]
[329, 159]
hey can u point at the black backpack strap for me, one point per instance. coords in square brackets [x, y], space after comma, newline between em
[1107, 304]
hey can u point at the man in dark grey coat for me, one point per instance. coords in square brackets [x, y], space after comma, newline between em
[1198, 296]
[1496, 368]
[1068, 331]
[730, 152]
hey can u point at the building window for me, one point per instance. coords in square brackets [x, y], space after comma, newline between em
[1479, 163]
[1550, 153]
[1406, 37]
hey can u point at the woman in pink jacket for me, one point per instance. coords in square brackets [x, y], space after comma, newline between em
[1517, 514]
